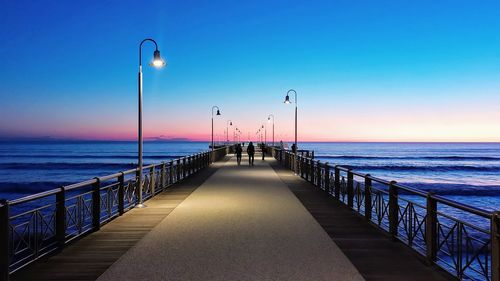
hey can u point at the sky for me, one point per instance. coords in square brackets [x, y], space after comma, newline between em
[363, 70]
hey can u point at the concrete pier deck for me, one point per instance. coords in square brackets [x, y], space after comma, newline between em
[242, 223]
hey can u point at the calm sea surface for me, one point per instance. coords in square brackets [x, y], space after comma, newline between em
[466, 172]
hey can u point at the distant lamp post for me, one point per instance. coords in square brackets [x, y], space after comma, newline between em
[217, 114]
[157, 62]
[228, 123]
[269, 120]
[287, 101]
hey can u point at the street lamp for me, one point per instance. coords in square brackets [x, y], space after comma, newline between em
[269, 120]
[228, 123]
[218, 113]
[157, 62]
[287, 101]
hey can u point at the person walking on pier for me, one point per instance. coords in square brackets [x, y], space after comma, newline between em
[251, 152]
[263, 148]
[239, 150]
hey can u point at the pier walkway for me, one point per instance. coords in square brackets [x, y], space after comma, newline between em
[235, 222]
[242, 223]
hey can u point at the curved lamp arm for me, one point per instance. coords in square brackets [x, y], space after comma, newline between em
[295, 92]
[214, 107]
[140, 48]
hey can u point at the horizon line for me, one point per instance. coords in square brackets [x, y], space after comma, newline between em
[50, 139]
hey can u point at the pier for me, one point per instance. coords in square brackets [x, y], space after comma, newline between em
[289, 217]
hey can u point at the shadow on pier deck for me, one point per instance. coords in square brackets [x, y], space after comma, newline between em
[375, 255]
[240, 223]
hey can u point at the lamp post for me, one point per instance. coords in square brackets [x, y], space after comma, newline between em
[228, 123]
[287, 101]
[269, 120]
[157, 62]
[218, 113]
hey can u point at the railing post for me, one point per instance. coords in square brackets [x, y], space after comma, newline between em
[137, 190]
[162, 175]
[195, 163]
[495, 246]
[327, 178]
[200, 161]
[121, 194]
[393, 209]
[337, 182]
[184, 167]
[350, 189]
[368, 197]
[318, 174]
[311, 170]
[152, 181]
[171, 172]
[301, 165]
[96, 204]
[191, 165]
[431, 229]
[178, 169]
[61, 218]
[4, 240]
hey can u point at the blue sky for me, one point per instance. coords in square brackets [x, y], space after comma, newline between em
[364, 70]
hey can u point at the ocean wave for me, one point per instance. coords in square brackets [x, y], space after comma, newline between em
[48, 156]
[444, 168]
[65, 166]
[30, 187]
[449, 158]
[456, 189]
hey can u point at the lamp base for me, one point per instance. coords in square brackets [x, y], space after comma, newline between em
[140, 206]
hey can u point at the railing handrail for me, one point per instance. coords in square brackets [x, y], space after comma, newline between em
[440, 199]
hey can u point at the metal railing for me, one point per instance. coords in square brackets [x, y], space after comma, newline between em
[40, 224]
[461, 239]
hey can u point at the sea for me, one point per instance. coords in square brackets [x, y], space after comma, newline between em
[465, 172]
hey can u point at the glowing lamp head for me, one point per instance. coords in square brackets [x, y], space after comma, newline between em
[157, 61]
[287, 99]
[218, 112]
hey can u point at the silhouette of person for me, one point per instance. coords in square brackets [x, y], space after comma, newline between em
[251, 152]
[294, 148]
[263, 148]
[239, 150]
